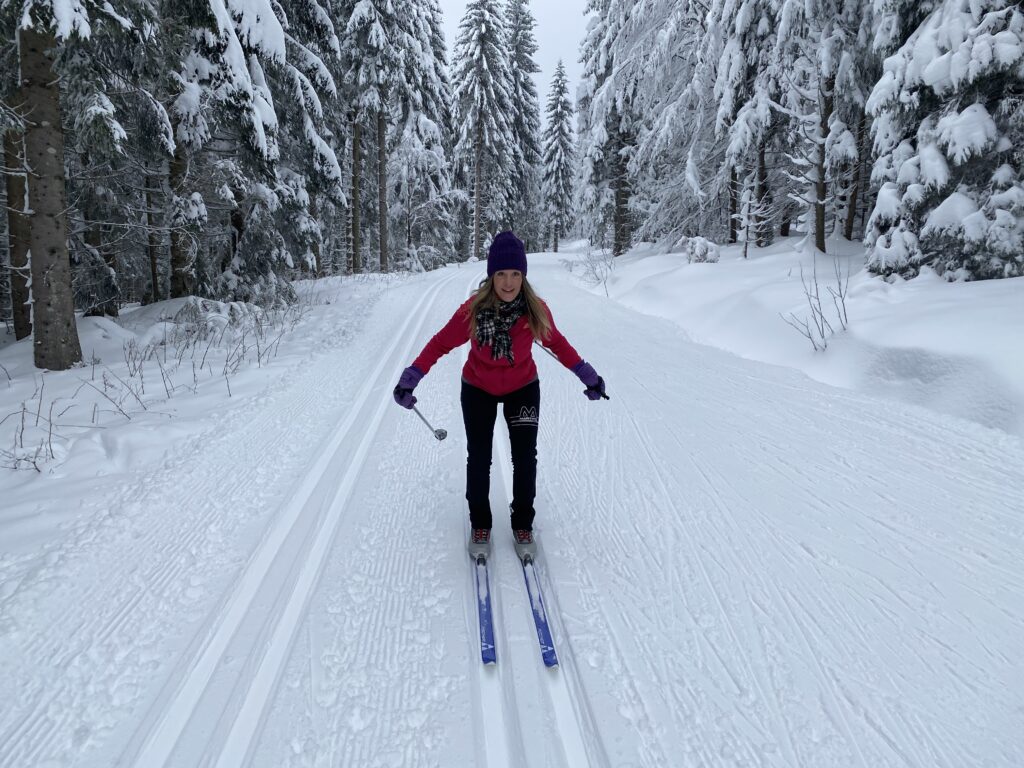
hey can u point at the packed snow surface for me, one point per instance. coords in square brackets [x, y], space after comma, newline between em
[742, 565]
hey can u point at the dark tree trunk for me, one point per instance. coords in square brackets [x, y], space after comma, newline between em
[18, 233]
[622, 234]
[237, 219]
[825, 114]
[318, 258]
[734, 204]
[56, 345]
[382, 188]
[152, 245]
[478, 152]
[357, 138]
[858, 168]
[763, 224]
[182, 268]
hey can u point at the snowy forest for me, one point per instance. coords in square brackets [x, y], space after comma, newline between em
[221, 148]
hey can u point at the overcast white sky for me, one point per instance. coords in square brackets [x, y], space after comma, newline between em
[560, 26]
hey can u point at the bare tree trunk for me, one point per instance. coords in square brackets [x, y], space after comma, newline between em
[622, 234]
[152, 244]
[382, 188]
[478, 152]
[56, 343]
[734, 205]
[18, 233]
[825, 101]
[851, 211]
[408, 217]
[181, 264]
[763, 227]
[318, 259]
[357, 138]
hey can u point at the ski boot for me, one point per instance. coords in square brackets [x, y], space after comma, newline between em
[479, 543]
[525, 543]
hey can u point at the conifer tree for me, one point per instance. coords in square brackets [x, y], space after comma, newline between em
[525, 177]
[947, 121]
[419, 176]
[483, 106]
[558, 159]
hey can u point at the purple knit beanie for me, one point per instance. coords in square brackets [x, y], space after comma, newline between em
[506, 252]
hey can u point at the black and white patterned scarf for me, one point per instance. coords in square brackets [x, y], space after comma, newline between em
[493, 326]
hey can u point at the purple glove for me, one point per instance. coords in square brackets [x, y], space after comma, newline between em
[406, 384]
[595, 384]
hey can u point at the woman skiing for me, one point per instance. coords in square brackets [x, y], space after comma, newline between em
[503, 318]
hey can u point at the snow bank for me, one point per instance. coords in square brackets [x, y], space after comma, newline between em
[951, 347]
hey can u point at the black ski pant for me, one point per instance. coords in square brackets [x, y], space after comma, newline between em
[521, 410]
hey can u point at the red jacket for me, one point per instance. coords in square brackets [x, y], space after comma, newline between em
[496, 377]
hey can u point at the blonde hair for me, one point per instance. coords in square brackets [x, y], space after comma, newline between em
[536, 311]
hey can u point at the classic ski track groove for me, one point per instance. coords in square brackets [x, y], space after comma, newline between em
[175, 715]
[559, 698]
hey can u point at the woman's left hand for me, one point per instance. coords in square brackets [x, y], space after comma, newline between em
[595, 384]
[596, 392]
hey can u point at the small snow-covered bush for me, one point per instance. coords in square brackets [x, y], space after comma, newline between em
[700, 250]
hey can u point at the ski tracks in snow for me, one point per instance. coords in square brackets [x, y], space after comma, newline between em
[526, 714]
[284, 571]
[769, 572]
[134, 586]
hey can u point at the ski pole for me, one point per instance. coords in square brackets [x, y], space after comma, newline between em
[556, 357]
[440, 434]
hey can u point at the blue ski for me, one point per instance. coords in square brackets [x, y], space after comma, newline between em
[483, 606]
[540, 616]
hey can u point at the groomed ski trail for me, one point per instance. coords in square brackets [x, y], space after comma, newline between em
[761, 570]
[137, 569]
[742, 567]
[283, 571]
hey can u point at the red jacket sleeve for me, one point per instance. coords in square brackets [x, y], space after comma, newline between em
[454, 334]
[558, 344]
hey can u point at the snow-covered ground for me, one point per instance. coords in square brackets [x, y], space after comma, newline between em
[956, 348]
[744, 566]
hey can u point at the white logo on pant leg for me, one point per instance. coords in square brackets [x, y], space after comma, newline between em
[527, 418]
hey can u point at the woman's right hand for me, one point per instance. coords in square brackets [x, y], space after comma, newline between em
[406, 384]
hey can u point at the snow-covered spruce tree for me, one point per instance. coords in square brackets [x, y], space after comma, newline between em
[677, 155]
[304, 90]
[818, 50]
[949, 131]
[221, 170]
[605, 124]
[525, 179]
[378, 35]
[745, 90]
[558, 160]
[420, 181]
[112, 122]
[483, 110]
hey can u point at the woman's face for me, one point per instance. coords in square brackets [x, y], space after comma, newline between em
[508, 283]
